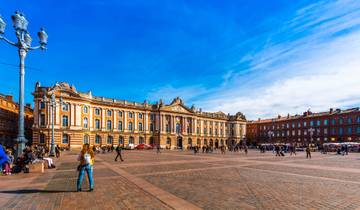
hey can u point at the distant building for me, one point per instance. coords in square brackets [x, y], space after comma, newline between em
[9, 113]
[331, 126]
[85, 118]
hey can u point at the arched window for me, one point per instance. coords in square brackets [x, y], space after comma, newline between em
[109, 113]
[190, 141]
[349, 120]
[140, 126]
[65, 139]
[85, 122]
[85, 109]
[222, 142]
[152, 140]
[42, 138]
[108, 124]
[341, 120]
[86, 139]
[120, 125]
[120, 113]
[140, 115]
[131, 140]
[205, 141]
[65, 121]
[178, 128]
[130, 126]
[97, 139]
[198, 141]
[168, 141]
[97, 111]
[109, 140]
[130, 114]
[97, 124]
[121, 140]
[141, 140]
[151, 127]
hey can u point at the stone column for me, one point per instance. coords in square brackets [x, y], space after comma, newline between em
[146, 122]
[135, 121]
[114, 120]
[125, 123]
[103, 123]
[91, 118]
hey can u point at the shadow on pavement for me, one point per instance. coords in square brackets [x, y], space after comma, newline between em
[29, 191]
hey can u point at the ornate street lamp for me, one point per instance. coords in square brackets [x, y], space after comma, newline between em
[270, 134]
[52, 102]
[311, 132]
[24, 45]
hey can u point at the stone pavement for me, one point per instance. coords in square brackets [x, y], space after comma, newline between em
[182, 180]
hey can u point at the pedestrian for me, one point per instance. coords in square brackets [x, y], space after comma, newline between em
[158, 149]
[3, 157]
[57, 151]
[86, 158]
[118, 152]
[277, 150]
[245, 149]
[308, 152]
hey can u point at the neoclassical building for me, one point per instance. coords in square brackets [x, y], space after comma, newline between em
[84, 118]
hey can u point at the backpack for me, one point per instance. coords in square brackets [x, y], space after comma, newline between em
[87, 158]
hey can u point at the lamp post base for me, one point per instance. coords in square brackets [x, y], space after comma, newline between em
[20, 145]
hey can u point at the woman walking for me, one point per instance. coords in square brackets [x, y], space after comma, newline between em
[86, 158]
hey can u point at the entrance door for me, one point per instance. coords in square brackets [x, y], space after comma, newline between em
[179, 143]
[217, 144]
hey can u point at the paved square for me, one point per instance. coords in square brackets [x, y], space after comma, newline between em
[182, 180]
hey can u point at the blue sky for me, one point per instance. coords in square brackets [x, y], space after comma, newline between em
[262, 58]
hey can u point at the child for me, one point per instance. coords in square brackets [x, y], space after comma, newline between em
[8, 164]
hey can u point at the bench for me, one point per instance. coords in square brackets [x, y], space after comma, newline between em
[36, 167]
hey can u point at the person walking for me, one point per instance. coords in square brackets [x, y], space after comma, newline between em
[245, 149]
[86, 158]
[57, 151]
[118, 152]
[158, 149]
[308, 152]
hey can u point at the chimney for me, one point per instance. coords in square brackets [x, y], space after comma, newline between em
[28, 105]
[288, 116]
[331, 110]
[279, 116]
[9, 97]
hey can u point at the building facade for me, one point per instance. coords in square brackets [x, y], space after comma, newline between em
[9, 115]
[331, 126]
[83, 118]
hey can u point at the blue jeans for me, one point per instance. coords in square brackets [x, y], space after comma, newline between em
[89, 170]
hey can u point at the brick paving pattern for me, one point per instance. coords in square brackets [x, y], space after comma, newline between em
[182, 180]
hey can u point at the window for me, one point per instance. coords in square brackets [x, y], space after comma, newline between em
[85, 122]
[65, 121]
[221, 131]
[42, 120]
[341, 131]
[121, 140]
[42, 105]
[341, 120]
[216, 131]
[293, 125]
[210, 131]
[325, 122]
[318, 122]
[189, 141]
[325, 131]
[42, 138]
[199, 141]
[349, 120]
[151, 127]
[97, 111]
[140, 116]
[109, 113]
[205, 131]
[305, 124]
[167, 127]
[130, 115]
[120, 125]
[287, 125]
[333, 122]
[108, 125]
[140, 126]
[65, 139]
[168, 141]
[198, 130]
[178, 128]
[333, 131]
[130, 126]
[85, 109]
[109, 140]
[358, 130]
[299, 125]
[358, 119]
[131, 140]
[141, 140]
[188, 129]
[311, 123]
[65, 107]
[151, 117]
[86, 139]
[120, 113]
[97, 139]
[349, 130]
[97, 124]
